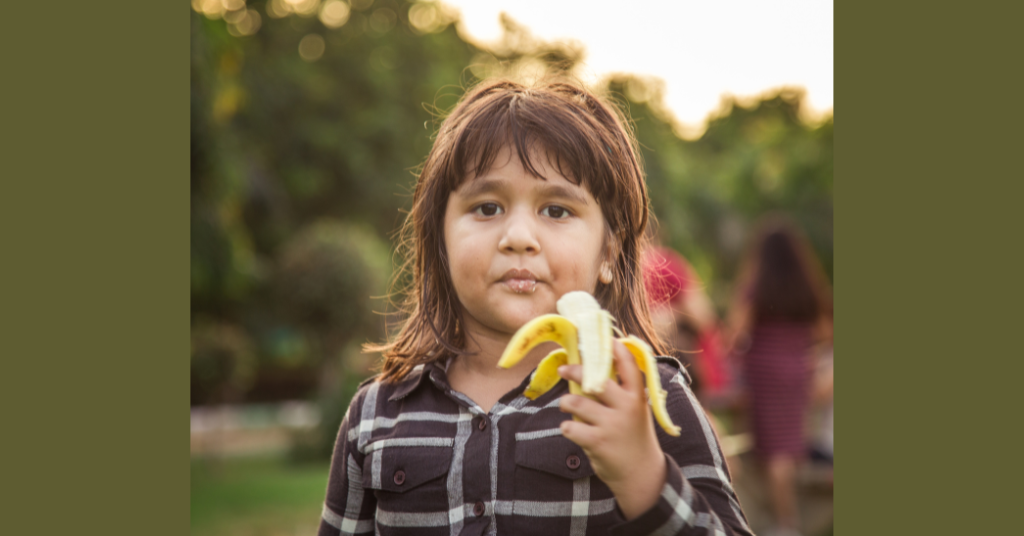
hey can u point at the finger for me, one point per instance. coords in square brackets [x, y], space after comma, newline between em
[575, 373]
[571, 372]
[590, 411]
[612, 389]
[625, 364]
[580, 433]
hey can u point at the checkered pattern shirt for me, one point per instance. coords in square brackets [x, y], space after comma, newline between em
[416, 457]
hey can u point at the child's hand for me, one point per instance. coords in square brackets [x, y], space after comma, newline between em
[617, 434]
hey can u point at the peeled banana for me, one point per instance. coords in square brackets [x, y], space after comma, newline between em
[585, 332]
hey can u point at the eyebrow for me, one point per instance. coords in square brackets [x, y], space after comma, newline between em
[564, 192]
[485, 186]
[477, 187]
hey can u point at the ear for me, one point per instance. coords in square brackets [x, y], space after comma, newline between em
[612, 248]
[606, 275]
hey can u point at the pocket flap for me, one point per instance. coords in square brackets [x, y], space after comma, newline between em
[553, 454]
[401, 468]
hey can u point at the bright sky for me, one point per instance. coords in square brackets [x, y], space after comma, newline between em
[701, 49]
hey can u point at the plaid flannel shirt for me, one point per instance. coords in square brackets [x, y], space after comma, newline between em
[417, 457]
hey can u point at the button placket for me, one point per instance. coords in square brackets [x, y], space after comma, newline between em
[479, 509]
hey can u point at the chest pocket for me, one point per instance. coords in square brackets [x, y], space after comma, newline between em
[403, 475]
[553, 479]
[553, 455]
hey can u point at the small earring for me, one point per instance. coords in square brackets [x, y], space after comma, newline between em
[606, 273]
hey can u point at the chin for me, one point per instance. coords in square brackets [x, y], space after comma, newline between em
[519, 318]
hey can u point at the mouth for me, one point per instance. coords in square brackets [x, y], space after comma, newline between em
[519, 281]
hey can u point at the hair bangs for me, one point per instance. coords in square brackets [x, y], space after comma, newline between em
[532, 126]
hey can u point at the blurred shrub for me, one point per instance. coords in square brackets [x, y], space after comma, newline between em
[223, 363]
[327, 277]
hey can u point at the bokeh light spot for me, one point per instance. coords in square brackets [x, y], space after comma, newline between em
[213, 9]
[233, 5]
[362, 4]
[247, 23]
[305, 8]
[278, 9]
[424, 17]
[383, 20]
[312, 47]
[334, 13]
[235, 17]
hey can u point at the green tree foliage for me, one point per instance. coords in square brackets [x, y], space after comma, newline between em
[285, 136]
[278, 141]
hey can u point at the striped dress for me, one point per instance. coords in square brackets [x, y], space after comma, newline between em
[778, 372]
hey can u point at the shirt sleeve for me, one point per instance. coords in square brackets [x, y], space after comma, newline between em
[697, 498]
[348, 508]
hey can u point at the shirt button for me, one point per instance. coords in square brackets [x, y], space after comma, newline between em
[478, 509]
[399, 477]
[483, 424]
[573, 461]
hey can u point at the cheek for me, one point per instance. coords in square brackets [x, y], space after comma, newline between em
[463, 249]
[461, 262]
[580, 262]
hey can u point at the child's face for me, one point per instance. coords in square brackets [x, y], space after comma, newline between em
[517, 243]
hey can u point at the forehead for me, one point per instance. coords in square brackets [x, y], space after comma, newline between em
[538, 164]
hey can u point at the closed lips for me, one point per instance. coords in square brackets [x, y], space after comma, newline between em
[520, 281]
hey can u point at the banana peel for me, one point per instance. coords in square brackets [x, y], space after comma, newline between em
[585, 333]
[546, 375]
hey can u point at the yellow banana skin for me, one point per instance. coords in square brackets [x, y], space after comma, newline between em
[558, 329]
[546, 375]
[656, 395]
[544, 328]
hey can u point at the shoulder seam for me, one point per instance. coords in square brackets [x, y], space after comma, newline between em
[367, 381]
[673, 362]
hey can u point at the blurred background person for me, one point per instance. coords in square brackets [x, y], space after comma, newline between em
[781, 310]
[685, 318]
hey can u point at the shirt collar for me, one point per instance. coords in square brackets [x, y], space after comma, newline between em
[434, 371]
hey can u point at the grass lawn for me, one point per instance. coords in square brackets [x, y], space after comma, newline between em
[264, 496]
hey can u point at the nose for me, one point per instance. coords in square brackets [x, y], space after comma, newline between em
[520, 234]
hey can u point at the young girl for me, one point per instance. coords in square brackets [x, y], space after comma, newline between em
[528, 193]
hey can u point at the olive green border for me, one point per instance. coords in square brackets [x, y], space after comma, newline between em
[923, 238]
[94, 199]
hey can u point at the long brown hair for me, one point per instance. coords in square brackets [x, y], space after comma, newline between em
[589, 142]
[787, 283]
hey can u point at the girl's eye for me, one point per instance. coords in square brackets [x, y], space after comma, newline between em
[556, 212]
[488, 209]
